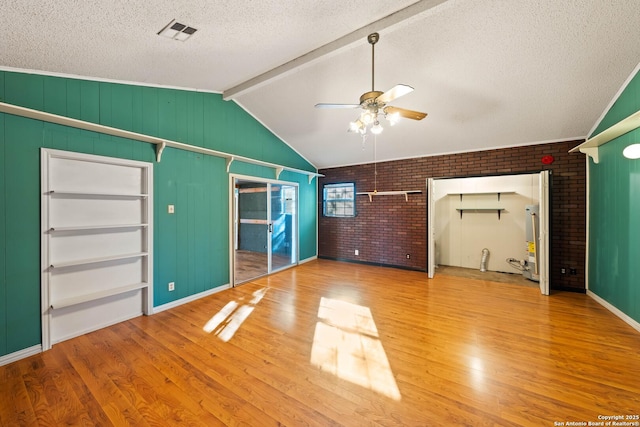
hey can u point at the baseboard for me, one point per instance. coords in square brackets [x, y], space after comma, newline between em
[375, 264]
[21, 354]
[302, 261]
[635, 325]
[190, 298]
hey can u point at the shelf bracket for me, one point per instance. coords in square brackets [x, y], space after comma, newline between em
[311, 178]
[159, 149]
[591, 152]
[278, 172]
[229, 161]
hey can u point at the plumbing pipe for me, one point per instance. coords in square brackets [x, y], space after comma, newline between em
[483, 260]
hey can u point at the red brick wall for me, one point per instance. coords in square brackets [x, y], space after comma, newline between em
[387, 229]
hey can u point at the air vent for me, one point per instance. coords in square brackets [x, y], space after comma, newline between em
[177, 31]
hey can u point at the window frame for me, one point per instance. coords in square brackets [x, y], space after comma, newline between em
[345, 200]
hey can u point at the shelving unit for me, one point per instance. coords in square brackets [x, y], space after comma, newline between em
[404, 193]
[498, 193]
[96, 242]
[98, 260]
[496, 209]
[96, 227]
[481, 210]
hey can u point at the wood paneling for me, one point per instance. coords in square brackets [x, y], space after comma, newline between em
[458, 351]
[192, 245]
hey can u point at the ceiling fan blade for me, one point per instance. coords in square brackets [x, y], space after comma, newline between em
[337, 105]
[395, 92]
[408, 114]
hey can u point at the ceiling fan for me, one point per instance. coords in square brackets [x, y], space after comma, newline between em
[374, 103]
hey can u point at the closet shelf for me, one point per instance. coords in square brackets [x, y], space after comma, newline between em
[97, 194]
[479, 210]
[389, 193]
[97, 227]
[79, 299]
[498, 193]
[98, 260]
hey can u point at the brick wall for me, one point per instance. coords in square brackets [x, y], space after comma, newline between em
[387, 229]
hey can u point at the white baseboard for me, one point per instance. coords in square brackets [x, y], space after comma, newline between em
[302, 261]
[190, 298]
[635, 325]
[21, 354]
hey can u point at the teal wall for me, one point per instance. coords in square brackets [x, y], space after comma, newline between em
[614, 212]
[191, 247]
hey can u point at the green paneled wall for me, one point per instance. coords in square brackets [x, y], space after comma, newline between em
[614, 209]
[191, 247]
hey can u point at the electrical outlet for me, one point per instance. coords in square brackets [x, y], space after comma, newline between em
[171, 209]
[357, 252]
[172, 286]
[408, 256]
[563, 271]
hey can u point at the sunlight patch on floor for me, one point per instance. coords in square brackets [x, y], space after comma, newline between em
[225, 323]
[346, 344]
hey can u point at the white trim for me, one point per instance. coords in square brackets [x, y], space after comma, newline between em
[614, 99]
[190, 298]
[20, 354]
[102, 80]
[448, 153]
[312, 258]
[631, 322]
[586, 246]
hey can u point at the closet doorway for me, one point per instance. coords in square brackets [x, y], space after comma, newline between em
[264, 227]
[507, 216]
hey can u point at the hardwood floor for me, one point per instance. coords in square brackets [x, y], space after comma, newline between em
[330, 343]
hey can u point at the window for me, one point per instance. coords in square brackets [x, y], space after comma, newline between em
[339, 200]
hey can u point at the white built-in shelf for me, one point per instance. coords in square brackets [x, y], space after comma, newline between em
[79, 299]
[97, 194]
[498, 193]
[480, 210]
[590, 146]
[97, 227]
[98, 260]
[389, 193]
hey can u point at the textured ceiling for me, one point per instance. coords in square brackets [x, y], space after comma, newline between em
[489, 73]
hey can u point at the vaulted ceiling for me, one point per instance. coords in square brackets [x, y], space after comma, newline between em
[490, 73]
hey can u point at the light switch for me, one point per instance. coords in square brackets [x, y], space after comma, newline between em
[171, 209]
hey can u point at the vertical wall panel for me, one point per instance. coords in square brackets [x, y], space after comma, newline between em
[614, 203]
[23, 138]
[3, 223]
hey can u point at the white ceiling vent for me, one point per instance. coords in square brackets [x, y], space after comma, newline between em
[177, 31]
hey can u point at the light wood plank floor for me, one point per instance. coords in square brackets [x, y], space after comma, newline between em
[330, 343]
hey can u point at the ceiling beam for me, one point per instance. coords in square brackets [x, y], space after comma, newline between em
[353, 37]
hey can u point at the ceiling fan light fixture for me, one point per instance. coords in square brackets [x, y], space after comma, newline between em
[367, 117]
[393, 118]
[376, 129]
[355, 126]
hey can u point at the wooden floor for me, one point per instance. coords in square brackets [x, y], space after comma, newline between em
[330, 343]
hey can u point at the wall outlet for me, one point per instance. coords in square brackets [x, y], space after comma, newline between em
[408, 256]
[171, 209]
[357, 252]
[563, 271]
[172, 286]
